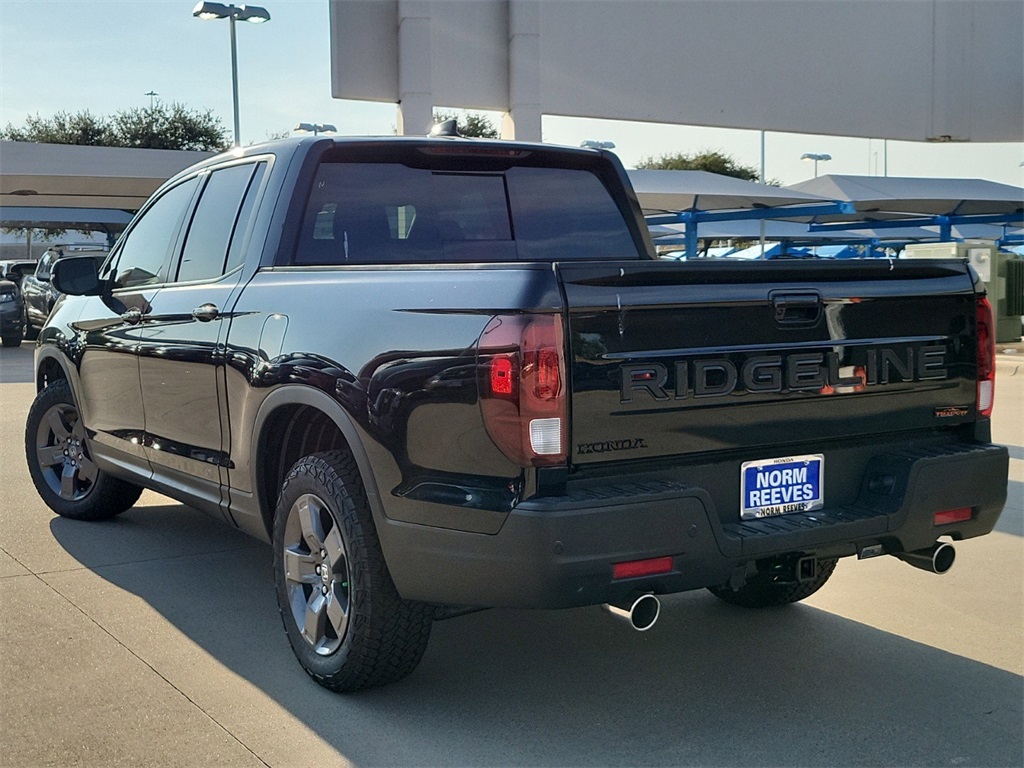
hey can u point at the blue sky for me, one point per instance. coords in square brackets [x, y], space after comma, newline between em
[105, 55]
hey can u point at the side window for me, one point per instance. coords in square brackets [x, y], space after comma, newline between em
[214, 221]
[143, 257]
[43, 269]
[235, 253]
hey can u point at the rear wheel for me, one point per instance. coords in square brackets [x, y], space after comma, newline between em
[765, 590]
[60, 461]
[13, 339]
[345, 621]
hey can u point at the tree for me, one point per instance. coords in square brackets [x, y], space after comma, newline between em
[157, 127]
[471, 124]
[62, 128]
[30, 233]
[712, 161]
[173, 127]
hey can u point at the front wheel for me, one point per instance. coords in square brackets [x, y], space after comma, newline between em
[346, 622]
[60, 461]
[765, 591]
[13, 339]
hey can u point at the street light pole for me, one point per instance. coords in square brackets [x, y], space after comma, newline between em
[234, 80]
[250, 13]
[315, 128]
[815, 156]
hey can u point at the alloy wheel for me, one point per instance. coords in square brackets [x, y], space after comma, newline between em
[316, 574]
[62, 450]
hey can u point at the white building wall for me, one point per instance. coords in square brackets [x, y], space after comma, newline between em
[900, 69]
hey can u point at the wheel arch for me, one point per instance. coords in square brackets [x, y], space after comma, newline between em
[295, 421]
[50, 367]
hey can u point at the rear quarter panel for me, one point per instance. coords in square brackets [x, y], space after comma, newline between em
[396, 349]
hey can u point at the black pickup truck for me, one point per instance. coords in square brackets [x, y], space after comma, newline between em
[444, 374]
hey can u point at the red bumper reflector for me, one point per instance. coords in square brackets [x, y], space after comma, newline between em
[636, 568]
[953, 516]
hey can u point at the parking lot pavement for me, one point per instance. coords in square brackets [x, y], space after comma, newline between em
[154, 639]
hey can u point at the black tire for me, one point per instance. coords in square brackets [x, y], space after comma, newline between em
[12, 340]
[331, 578]
[60, 462]
[762, 591]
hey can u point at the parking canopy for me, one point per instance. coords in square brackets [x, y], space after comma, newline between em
[46, 176]
[916, 196]
[84, 219]
[703, 191]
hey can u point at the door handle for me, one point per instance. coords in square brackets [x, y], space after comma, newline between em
[132, 316]
[205, 313]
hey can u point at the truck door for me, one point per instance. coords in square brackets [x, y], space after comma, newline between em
[111, 327]
[181, 350]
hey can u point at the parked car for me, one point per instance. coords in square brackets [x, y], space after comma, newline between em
[12, 303]
[37, 290]
[12, 314]
[15, 269]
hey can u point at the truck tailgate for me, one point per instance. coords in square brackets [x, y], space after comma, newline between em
[671, 358]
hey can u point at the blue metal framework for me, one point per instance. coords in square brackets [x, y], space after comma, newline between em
[944, 223]
[693, 218]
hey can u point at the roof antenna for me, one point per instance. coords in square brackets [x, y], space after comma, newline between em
[449, 127]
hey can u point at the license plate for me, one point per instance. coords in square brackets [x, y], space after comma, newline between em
[770, 487]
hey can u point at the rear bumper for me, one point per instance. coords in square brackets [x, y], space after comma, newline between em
[559, 552]
[10, 318]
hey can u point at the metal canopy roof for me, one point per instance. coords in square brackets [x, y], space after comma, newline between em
[703, 191]
[925, 197]
[48, 176]
[105, 219]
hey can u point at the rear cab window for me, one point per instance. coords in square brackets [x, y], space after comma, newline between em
[451, 208]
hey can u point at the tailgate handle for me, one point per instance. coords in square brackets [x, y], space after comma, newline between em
[795, 308]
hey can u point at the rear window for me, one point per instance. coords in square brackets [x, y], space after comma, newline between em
[379, 213]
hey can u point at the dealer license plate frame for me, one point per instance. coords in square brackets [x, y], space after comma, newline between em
[806, 469]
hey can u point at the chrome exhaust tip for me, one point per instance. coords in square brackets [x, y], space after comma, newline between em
[640, 612]
[937, 558]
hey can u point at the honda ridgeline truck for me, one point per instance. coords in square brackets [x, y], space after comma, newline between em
[444, 374]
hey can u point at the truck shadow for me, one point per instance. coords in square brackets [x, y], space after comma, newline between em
[710, 684]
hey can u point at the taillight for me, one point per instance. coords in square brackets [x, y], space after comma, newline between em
[986, 358]
[523, 388]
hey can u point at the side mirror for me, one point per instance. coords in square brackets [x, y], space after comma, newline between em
[77, 276]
